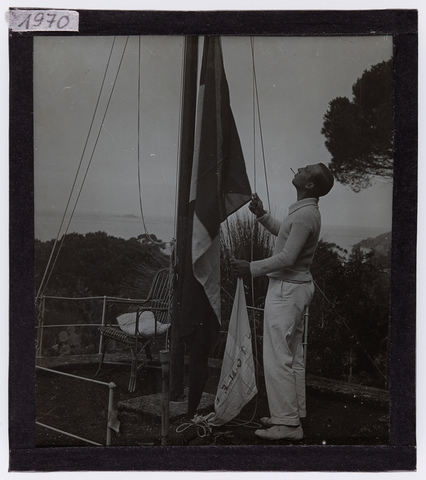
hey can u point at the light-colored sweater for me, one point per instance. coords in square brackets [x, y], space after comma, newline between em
[297, 239]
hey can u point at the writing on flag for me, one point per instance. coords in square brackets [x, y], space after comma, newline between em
[237, 383]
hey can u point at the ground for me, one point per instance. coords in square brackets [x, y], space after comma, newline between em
[338, 414]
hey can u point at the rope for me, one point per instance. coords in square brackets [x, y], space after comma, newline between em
[260, 123]
[254, 117]
[90, 161]
[255, 103]
[358, 343]
[171, 287]
[252, 313]
[178, 145]
[204, 429]
[50, 265]
[236, 421]
[77, 173]
[151, 239]
[243, 423]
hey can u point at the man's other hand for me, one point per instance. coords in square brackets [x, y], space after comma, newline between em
[240, 267]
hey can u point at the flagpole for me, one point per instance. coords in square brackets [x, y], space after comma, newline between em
[189, 102]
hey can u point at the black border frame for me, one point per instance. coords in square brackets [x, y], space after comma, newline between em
[400, 454]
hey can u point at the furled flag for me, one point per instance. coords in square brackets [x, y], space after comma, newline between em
[237, 384]
[219, 187]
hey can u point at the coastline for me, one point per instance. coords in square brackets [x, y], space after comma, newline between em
[129, 225]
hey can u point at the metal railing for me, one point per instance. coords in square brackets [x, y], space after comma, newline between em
[110, 386]
[40, 327]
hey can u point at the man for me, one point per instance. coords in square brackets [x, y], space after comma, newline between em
[290, 291]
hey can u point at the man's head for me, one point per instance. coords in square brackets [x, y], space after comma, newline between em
[313, 180]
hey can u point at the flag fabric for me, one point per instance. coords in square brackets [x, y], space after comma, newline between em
[219, 187]
[219, 184]
[237, 384]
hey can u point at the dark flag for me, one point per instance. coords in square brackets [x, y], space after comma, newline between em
[219, 187]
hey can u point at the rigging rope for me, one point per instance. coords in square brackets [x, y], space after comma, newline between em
[56, 251]
[43, 283]
[358, 343]
[255, 102]
[260, 123]
[254, 118]
[90, 161]
[148, 235]
[178, 146]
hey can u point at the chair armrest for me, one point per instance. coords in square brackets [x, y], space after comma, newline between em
[112, 302]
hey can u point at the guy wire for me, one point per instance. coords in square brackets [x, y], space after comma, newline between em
[90, 160]
[43, 283]
[151, 239]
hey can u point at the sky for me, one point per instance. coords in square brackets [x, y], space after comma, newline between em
[296, 77]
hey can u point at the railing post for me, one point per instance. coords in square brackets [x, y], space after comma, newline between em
[40, 328]
[101, 337]
[165, 374]
[111, 387]
[305, 339]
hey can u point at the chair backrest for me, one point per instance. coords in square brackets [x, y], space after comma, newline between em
[160, 295]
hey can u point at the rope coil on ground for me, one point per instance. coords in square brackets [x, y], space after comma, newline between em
[204, 429]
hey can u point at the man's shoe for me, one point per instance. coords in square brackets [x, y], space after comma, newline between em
[281, 432]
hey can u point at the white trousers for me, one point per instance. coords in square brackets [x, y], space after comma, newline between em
[283, 349]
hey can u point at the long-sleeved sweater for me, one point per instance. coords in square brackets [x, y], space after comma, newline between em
[297, 239]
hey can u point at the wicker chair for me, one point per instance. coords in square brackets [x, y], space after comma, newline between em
[159, 302]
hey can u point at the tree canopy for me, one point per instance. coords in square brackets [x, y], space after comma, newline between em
[100, 264]
[359, 132]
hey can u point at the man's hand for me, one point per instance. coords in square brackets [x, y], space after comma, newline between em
[256, 205]
[240, 267]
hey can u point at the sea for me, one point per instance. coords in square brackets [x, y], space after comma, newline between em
[346, 236]
[47, 226]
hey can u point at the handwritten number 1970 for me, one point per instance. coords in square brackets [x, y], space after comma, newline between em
[48, 19]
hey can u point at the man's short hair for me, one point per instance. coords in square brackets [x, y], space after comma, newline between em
[323, 181]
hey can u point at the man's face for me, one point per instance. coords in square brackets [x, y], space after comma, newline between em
[306, 175]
